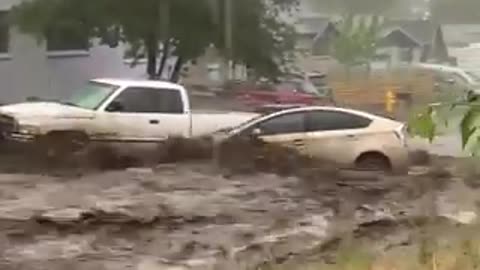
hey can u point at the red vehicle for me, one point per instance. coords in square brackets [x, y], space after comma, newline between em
[291, 93]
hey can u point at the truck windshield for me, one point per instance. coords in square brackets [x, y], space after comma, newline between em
[92, 95]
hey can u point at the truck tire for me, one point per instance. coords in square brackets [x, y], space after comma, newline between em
[60, 144]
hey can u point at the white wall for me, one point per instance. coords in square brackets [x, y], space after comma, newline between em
[29, 70]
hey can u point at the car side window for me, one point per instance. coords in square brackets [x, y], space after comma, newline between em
[335, 120]
[283, 124]
[150, 100]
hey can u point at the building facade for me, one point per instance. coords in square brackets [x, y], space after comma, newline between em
[49, 68]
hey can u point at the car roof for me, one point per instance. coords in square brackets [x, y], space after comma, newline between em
[370, 116]
[328, 108]
[139, 83]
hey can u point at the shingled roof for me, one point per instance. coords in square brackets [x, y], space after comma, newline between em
[421, 31]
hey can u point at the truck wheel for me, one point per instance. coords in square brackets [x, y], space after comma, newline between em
[62, 144]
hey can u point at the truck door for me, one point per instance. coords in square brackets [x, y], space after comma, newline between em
[146, 115]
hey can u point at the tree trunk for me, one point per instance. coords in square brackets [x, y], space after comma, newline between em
[164, 25]
[177, 70]
[151, 47]
[163, 60]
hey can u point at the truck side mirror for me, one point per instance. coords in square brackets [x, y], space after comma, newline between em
[256, 132]
[115, 106]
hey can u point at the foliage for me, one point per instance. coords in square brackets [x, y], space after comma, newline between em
[426, 123]
[186, 27]
[356, 44]
[262, 40]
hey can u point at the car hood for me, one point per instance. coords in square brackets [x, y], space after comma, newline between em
[44, 109]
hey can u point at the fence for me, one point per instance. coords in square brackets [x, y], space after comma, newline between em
[372, 92]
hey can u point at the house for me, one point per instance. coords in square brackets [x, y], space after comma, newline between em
[55, 67]
[407, 41]
[400, 41]
[314, 39]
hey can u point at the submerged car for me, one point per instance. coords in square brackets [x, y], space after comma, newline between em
[350, 138]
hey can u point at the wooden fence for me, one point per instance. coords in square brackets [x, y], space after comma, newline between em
[361, 91]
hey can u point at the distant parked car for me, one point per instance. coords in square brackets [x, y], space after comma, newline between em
[290, 92]
[351, 138]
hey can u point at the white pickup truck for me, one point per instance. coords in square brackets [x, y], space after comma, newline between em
[114, 111]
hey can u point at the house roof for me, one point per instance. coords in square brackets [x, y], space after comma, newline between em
[312, 26]
[400, 38]
[421, 31]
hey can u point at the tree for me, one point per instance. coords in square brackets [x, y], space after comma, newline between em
[356, 44]
[262, 39]
[160, 28]
[429, 121]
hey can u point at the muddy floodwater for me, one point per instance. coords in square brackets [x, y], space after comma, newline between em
[192, 216]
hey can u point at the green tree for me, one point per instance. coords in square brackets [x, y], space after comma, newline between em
[160, 28]
[430, 121]
[262, 40]
[356, 44]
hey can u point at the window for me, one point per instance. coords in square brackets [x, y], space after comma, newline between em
[92, 96]
[70, 36]
[149, 100]
[284, 124]
[333, 120]
[4, 32]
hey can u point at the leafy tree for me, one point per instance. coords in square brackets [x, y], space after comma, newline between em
[154, 28]
[431, 120]
[261, 39]
[356, 44]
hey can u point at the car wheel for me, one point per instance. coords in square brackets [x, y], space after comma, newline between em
[373, 162]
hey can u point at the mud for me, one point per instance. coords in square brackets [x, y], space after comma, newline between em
[195, 215]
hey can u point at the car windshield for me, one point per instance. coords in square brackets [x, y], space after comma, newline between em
[91, 96]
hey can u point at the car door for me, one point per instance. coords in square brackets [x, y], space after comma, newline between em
[140, 114]
[286, 130]
[334, 135]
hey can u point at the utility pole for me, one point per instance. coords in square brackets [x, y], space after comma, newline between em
[228, 38]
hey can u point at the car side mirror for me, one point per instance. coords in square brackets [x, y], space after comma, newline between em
[115, 106]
